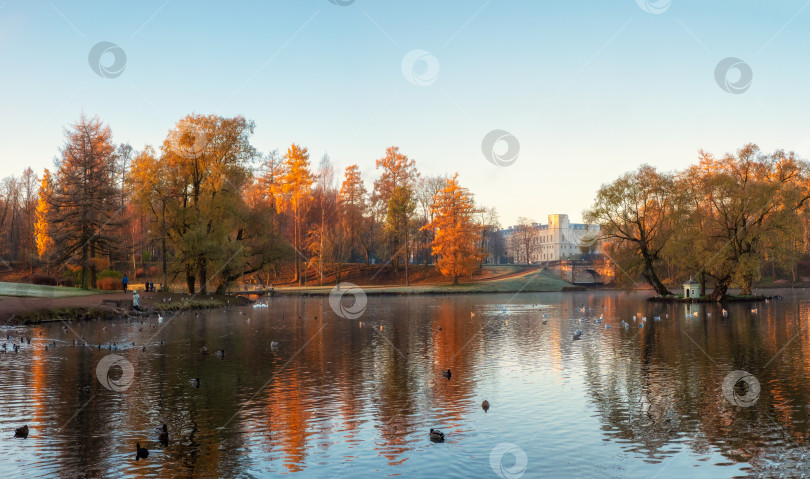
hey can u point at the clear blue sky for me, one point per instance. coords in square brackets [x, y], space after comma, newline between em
[591, 89]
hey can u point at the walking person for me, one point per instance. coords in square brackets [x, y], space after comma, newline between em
[136, 300]
[125, 282]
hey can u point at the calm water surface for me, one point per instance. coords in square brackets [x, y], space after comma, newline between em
[356, 398]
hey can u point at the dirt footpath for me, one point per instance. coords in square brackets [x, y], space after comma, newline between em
[11, 307]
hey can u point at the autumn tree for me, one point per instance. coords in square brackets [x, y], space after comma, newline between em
[397, 171]
[426, 189]
[749, 202]
[9, 217]
[42, 232]
[524, 240]
[638, 212]
[84, 212]
[28, 185]
[400, 209]
[155, 192]
[491, 240]
[123, 161]
[293, 193]
[353, 205]
[456, 245]
[195, 186]
[325, 216]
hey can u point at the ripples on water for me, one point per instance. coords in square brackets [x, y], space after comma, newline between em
[356, 398]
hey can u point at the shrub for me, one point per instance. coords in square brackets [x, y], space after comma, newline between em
[42, 279]
[109, 273]
[72, 274]
[109, 284]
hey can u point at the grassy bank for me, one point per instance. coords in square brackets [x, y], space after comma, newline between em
[38, 309]
[42, 291]
[706, 299]
[531, 282]
[68, 313]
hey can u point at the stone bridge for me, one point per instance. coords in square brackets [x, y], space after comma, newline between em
[596, 272]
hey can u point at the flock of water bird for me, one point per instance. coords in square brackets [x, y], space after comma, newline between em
[13, 344]
[639, 320]
[163, 431]
[435, 434]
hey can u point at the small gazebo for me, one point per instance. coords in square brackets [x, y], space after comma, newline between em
[691, 289]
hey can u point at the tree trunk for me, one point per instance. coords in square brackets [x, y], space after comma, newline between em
[395, 249]
[190, 279]
[720, 290]
[93, 283]
[651, 276]
[407, 278]
[320, 251]
[163, 251]
[202, 265]
[134, 265]
[297, 278]
[85, 283]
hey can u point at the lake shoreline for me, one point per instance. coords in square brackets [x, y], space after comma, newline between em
[403, 291]
[727, 299]
[24, 311]
[96, 305]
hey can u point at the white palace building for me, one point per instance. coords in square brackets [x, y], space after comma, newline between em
[557, 240]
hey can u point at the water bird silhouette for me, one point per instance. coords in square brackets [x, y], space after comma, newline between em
[163, 434]
[140, 452]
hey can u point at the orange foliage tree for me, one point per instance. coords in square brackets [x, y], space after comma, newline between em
[456, 243]
[293, 192]
[398, 176]
[352, 202]
[41, 230]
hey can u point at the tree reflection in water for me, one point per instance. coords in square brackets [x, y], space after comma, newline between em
[344, 397]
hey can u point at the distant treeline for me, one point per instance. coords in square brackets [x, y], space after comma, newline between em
[212, 209]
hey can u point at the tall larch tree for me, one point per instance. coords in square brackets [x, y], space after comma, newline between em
[397, 171]
[41, 227]
[353, 205]
[293, 193]
[457, 240]
[85, 211]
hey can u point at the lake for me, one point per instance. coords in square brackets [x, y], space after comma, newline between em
[693, 394]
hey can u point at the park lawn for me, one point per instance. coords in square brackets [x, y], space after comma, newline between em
[531, 281]
[42, 291]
